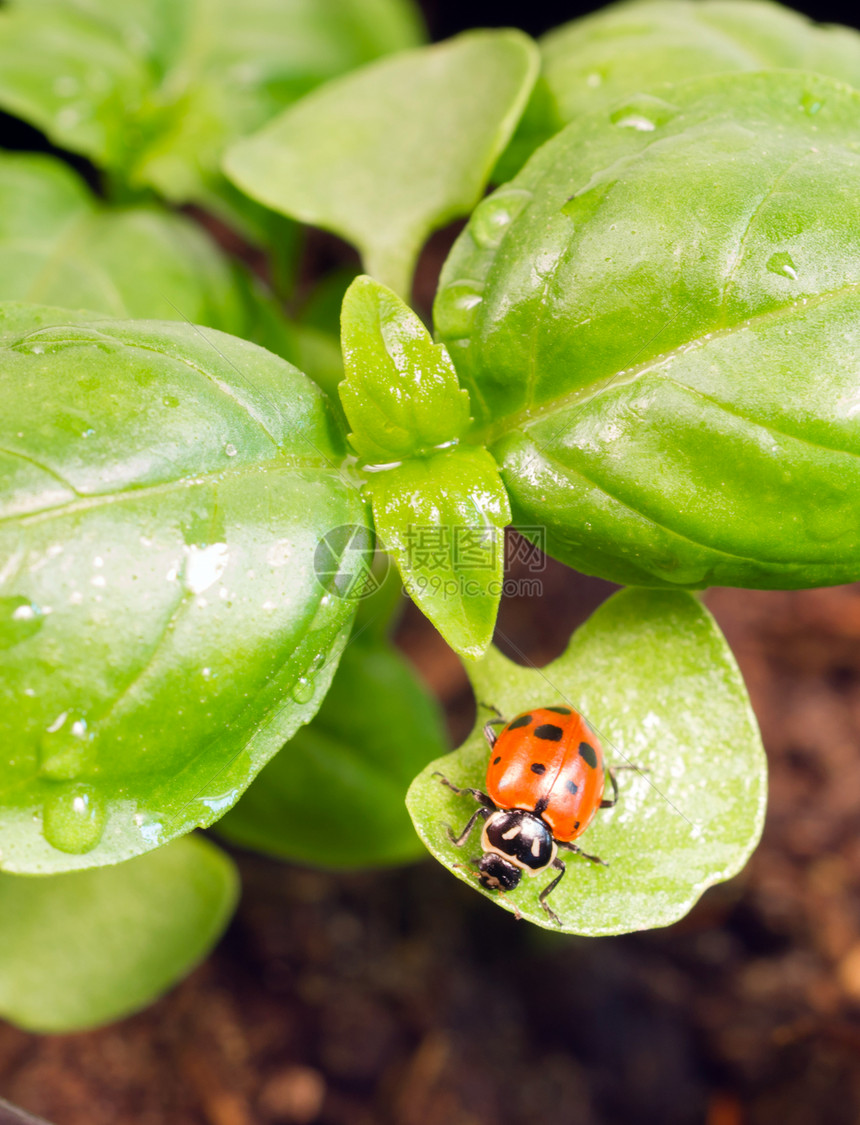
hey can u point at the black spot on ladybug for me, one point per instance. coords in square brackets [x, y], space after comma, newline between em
[538, 767]
[550, 732]
[522, 721]
[575, 825]
[497, 760]
[559, 710]
[588, 752]
[541, 806]
[571, 787]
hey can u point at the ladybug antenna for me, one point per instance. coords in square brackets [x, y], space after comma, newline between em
[490, 707]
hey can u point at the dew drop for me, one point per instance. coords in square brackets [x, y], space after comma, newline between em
[456, 306]
[73, 819]
[170, 400]
[582, 206]
[492, 217]
[782, 265]
[811, 103]
[303, 689]
[66, 749]
[230, 449]
[644, 114]
[20, 619]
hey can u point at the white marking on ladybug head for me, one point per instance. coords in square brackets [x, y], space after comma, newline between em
[536, 847]
[511, 832]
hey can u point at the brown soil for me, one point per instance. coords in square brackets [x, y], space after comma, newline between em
[404, 999]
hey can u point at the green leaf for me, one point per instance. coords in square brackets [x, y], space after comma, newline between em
[60, 246]
[334, 796]
[88, 947]
[654, 676]
[154, 92]
[666, 372]
[168, 617]
[628, 48]
[400, 148]
[441, 518]
[401, 393]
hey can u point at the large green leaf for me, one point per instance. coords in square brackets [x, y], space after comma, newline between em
[88, 947]
[628, 48]
[654, 676]
[163, 630]
[155, 89]
[387, 155]
[334, 796]
[61, 246]
[657, 322]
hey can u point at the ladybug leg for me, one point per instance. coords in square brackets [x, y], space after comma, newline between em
[476, 793]
[614, 801]
[489, 733]
[578, 851]
[549, 888]
[459, 841]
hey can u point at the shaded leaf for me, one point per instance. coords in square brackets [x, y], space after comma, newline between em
[60, 246]
[400, 148]
[334, 796]
[154, 92]
[88, 947]
[657, 325]
[166, 620]
[653, 675]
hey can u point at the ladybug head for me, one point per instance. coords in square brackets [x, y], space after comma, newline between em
[497, 873]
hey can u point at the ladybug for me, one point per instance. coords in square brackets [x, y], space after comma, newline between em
[545, 782]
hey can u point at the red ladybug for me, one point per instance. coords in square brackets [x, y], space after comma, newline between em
[545, 782]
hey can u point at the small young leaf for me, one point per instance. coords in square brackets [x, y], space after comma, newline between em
[178, 551]
[653, 675]
[401, 393]
[334, 796]
[441, 517]
[60, 246]
[88, 947]
[664, 371]
[154, 92]
[387, 155]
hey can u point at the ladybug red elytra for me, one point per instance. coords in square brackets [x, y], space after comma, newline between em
[545, 782]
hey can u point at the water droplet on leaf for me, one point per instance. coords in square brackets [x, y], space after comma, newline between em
[20, 619]
[303, 689]
[492, 217]
[73, 819]
[456, 306]
[782, 265]
[811, 103]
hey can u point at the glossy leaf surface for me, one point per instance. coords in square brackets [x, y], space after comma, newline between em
[163, 630]
[629, 48]
[442, 519]
[654, 676]
[154, 91]
[387, 155]
[334, 796]
[657, 324]
[87, 947]
[401, 393]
